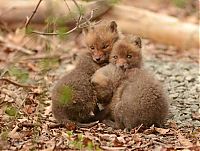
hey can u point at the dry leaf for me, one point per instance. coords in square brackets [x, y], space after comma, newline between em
[30, 109]
[70, 126]
[162, 131]
[184, 141]
[196, 116]
[117, 143]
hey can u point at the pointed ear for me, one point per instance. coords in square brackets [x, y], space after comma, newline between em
[113, 26]
[137, 41]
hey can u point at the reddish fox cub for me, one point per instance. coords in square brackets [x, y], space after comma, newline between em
[100, 39]
[138, 98]
[73, 97]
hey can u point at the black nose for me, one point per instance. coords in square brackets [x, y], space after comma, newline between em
[97, 59]
[121, 66]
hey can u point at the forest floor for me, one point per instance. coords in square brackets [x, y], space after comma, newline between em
[27, 124]
[26, 121]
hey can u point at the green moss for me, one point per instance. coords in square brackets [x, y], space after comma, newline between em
[21, 74]
[11, 111]
[65, 95]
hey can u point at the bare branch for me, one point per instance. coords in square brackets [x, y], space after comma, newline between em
[79, 25]
[29, 18]
[17, 84]
[69, 10]
[52, 34]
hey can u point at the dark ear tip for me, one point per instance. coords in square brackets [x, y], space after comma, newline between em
[113, 23]
[113, 26]
[138, 41]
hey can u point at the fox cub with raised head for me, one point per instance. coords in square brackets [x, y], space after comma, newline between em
[73, 97]
[100, 39]
[138, 98]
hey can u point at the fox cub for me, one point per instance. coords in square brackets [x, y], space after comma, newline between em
[73, 97]
[138, 98]
[99, 39]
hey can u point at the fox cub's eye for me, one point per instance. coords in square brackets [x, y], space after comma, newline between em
[115, 57]
[92, 47]
[105, 46]
[129, 56]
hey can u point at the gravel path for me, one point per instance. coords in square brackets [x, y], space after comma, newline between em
[182, 81]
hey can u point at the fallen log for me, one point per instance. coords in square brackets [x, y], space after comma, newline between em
[160, 28]
[15, 12]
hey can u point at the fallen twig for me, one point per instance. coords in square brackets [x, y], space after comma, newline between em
[56, 125]
[112, 148]
[143, 146]
[17, 84]
[27, 125]
[138, 129]
[15, 47]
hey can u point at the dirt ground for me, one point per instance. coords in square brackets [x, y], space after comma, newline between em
[32, 64]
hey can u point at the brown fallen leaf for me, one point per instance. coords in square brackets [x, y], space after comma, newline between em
[196, 116]
[71, 126]
[117, 143]
[30, 109]
[194, 148]
[107, 137]
[162, 131]
[184, 141]
[86, 141]
[173, 125]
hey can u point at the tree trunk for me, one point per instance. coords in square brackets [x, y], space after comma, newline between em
[160, 28]
[15, 12]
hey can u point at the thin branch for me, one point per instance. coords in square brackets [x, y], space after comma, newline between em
[34, 11]
[56, 125]
[143, 146]
[79, 25]
[70, 10]
[17, 84]
[79, 9]
[138, 129]
[27, 125]
[52, 34]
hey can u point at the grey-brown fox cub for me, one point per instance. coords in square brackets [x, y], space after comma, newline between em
[73, 97]
[137, 97]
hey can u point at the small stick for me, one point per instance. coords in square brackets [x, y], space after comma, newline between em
[29, 18]
[56, 125]
[70, 10]
[52, 34]
[17, 84]
[138, 129]
[78, 22]
[143, 146]
[27, 125]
